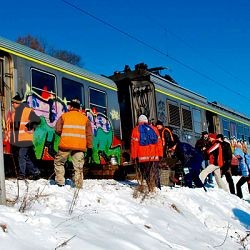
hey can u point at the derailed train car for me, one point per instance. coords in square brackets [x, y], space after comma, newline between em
[112, 104]
[144, 90]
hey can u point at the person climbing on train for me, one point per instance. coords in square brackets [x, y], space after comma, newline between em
[146, 151]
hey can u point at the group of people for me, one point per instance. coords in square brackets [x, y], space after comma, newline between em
[218, 154]
[74, 129]
[211, 156]
[150, 156]
[151, 145]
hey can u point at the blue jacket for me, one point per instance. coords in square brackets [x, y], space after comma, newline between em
[189, 156]
[244, 161]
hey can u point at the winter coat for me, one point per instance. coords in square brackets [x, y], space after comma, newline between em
[188, 155]
[24, 120]
[216, 154]
[168, 140]
[148, 153]
[243, 166]
[75, 131]
[202, 145]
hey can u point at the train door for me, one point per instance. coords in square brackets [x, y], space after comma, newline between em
[6, 78]
[217, 124]
[213, 122]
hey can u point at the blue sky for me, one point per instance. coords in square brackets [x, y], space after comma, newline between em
[205, 44]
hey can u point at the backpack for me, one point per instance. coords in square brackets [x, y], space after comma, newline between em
[147, 135]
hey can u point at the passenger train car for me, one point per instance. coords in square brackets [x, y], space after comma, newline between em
[159, 97]
[46, 84]
[112, 104]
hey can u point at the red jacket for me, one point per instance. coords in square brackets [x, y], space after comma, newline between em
[215, 154]
[147, 153]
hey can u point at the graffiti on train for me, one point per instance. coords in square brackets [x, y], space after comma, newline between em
[46, 141]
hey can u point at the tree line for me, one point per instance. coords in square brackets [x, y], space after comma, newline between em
[39, 45]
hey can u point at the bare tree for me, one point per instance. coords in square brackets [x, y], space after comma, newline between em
[38, 44]
[66, 56]
[31, 42]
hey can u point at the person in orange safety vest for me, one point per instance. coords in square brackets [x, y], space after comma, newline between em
[75, 133]
[147, 156]
[23, 122]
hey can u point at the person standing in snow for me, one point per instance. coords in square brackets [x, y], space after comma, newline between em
[75, 133]
[226, 168]
[147, 155]
[244, 166]
[24, 121]
[167, 163]
[202, 145]
[215, 162]
[167, 136]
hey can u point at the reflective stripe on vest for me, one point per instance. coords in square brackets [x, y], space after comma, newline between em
[23, 134]
[74, 131]
[148, 158]
[73, 135]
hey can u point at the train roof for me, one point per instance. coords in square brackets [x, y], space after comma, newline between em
[52, 62]
[167, 86]
[175, 88]
[176, 91]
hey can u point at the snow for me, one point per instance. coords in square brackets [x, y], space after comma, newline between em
[107, 215]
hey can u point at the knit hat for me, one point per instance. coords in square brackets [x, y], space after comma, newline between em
[159, 123]
[204, 133]
[143, 118]
[16, 99]
[75, 103]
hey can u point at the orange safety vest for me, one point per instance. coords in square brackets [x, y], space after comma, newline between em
[23, 134]
[73, 136]
[163, 137]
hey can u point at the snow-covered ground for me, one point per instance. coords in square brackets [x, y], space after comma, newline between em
[107, 216]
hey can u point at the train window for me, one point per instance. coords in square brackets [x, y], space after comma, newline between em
[197, 121]
[233, 129]
[226, 128]
[42, 82]
[72, 89]
[98, 100]
[186, 118]
[240, 132]
[174, 114]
